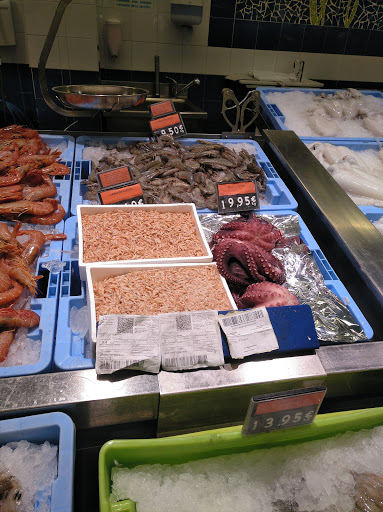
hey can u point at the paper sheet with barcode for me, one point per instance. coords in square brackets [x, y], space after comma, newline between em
[128, 341]
[248, 332]
[190, 340]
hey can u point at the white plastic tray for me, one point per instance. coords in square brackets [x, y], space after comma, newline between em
[95, 273]
[178, 207]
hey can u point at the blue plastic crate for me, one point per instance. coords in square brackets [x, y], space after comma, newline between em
[70, 347]
[373, 213]
[45, 305]
[275, 118]
[54, 141]
[277, 194]
[57, 428]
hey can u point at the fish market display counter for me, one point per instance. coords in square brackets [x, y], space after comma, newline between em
[132, 403]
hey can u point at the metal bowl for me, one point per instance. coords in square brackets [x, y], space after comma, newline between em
[100, 97]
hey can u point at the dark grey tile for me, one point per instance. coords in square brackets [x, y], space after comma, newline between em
[221, 32]
[357, 41]
[222, 8]
[268, 35]
[375, 44]
[291, 37]
[84, 77]
[48, 119]
[313, 39]
[53, 77]
[335, 41]
[215, 122]
[26, 78]
[213, 87]
[11, 78]
[245, 34]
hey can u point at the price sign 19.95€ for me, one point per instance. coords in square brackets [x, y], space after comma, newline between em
[237, 196]
[283, 410]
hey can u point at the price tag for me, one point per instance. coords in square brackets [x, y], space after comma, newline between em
[168, 125]
[113, 177]
[161, 109]
[130, 193]
[237, 196]
[283, 410]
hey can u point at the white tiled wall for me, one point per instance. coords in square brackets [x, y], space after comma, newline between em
[80, 44]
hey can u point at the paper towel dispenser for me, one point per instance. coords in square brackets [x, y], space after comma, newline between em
[186, 12]
[7, 32]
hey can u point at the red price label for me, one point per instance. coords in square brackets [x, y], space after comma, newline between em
[283, 410]
[168, 125]
[112, 177]
[128, 194]
[162, 109]
[237, 196]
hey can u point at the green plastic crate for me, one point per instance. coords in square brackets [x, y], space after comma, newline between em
[210, 443]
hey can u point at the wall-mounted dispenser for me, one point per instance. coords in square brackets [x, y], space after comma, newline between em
[113, 36]
[186, 12]
[7, 32]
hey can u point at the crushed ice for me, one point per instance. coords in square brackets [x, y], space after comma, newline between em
[79, 320]
[314, 475]
[35, 466]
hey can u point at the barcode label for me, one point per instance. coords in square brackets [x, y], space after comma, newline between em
[183, 323]
[116, 365]
[243, 318]
[184, 361]
[125, 325]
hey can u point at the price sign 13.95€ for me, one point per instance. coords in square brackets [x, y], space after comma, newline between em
[237, 196]
[283, 410]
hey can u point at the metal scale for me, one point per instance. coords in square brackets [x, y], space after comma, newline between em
[83, 100]
[250, 103]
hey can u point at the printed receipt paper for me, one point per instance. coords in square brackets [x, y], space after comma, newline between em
[248, 332]
[181, 341]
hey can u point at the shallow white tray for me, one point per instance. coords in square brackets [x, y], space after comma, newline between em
[95, 273]
[177, 207]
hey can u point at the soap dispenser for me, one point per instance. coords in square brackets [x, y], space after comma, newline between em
[113, 36]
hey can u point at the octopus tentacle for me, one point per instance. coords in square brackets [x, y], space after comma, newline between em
[235, 262]
[266, 294]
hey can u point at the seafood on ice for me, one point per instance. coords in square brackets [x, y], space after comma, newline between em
[15, 275]
[359, 173]
[170, 172]
[10, 491]
[27, 191]
[345, 113]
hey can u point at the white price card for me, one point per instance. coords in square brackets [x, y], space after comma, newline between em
[190, 340]
[128, 341]
[248, 332]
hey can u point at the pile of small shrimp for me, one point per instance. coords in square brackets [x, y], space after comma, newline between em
[26, 190]
[15, 275]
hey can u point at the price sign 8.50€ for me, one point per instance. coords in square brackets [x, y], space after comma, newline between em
[283, 410]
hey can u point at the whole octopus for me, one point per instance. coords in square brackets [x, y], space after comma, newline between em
[170, 172]
[15, 275]
[27, 192]
[242, 250]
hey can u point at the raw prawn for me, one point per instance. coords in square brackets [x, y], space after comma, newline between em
[46, 220]
[36, 240]
[12, 294]
[40, 160]
[44, 207]
[56, 169]
[17, 270]
[10, 318]
[46, 189]
[11, 193]
[6, 340]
